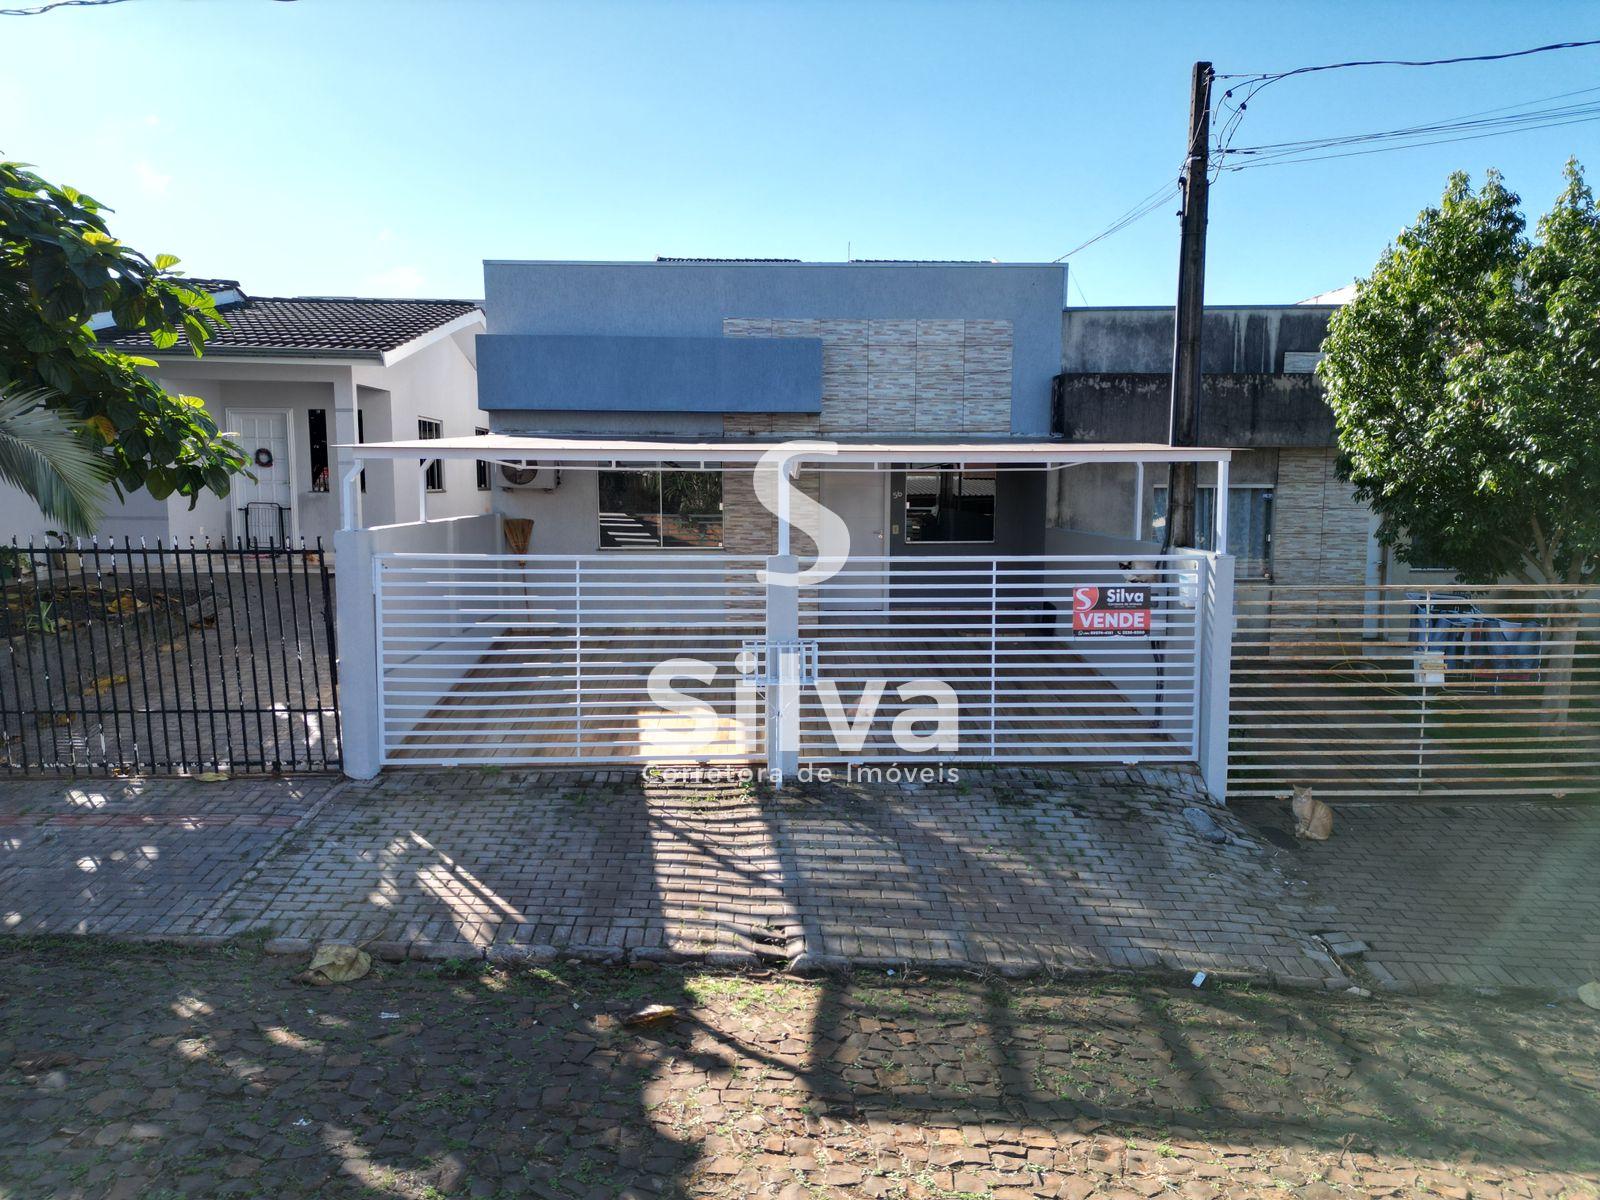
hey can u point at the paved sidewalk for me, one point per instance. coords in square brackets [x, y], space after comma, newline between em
[1483, 895]
[149, 856]
[1010, 870]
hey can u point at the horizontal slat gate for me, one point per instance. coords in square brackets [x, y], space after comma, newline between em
[548, 658]
[1410, 693]
[999, 631]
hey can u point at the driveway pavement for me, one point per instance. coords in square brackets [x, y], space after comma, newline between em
[1009, 870]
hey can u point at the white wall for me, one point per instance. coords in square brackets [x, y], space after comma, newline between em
[359, 712]
[565, 521]
[218, 516]
[438, 382]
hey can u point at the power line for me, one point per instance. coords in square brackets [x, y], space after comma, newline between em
[1138, 212]
[1471, 127]
[1425, 62]
[1253, 84]
[40, 9]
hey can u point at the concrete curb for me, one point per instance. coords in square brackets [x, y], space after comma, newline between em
[804, 965]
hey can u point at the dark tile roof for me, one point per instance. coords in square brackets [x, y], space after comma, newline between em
[326, 326]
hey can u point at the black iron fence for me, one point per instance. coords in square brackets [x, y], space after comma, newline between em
[167, 659]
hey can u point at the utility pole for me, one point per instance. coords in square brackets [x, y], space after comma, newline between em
[1189, 315]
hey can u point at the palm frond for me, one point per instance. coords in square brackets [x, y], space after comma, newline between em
[51, 459]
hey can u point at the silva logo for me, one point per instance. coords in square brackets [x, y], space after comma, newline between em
[1121, 610]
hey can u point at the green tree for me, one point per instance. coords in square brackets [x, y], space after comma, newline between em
[1464, 377]
[59, 268]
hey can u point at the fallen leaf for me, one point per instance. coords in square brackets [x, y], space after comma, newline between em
[650, 1014]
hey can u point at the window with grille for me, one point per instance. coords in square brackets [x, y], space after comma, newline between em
[950, 504]
[428, 428]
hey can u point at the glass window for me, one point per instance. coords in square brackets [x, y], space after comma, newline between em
[317, 431]
[483, 467]
[1249, 525]
[429, 428]
[950, 504]
[654, 510]
[1424, 556]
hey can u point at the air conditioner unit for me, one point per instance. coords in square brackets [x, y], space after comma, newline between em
[534, 476]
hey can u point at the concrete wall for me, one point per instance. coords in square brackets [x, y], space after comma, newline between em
[1250, 339]
[1116, 387]
[1235, 410]
[359, 711]
[696, 299]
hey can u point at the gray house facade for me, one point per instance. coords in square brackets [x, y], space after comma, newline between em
[761, 349]
[659, 436]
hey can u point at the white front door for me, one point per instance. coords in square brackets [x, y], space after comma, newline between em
[859, 497]
[262, 509]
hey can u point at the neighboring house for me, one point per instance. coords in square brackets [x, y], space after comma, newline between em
[291, 378]
[1291, 518]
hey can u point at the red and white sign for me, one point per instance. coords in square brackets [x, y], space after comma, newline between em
[1115, 610]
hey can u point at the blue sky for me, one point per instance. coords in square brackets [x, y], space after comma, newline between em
[388, 146]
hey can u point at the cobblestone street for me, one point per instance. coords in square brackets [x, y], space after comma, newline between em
[151, 1072]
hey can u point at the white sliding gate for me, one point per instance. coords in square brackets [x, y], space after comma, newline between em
[548, 659]
[999, 631]
[498, 658]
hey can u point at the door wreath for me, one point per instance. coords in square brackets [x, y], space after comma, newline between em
[263, 457]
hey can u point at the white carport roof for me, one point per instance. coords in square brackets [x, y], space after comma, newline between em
[513, 448]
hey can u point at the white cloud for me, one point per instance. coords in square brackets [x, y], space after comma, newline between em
[403, 280]
[152, 180]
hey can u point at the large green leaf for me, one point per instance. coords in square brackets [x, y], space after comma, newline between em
[52, 460]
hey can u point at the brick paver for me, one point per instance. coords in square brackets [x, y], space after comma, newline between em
[1480, 895]
[1007, 870]
[115, 856]
[1012, 870]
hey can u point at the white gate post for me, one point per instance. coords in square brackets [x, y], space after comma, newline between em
[1216, 674]
[783, 667]
[356, 614]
